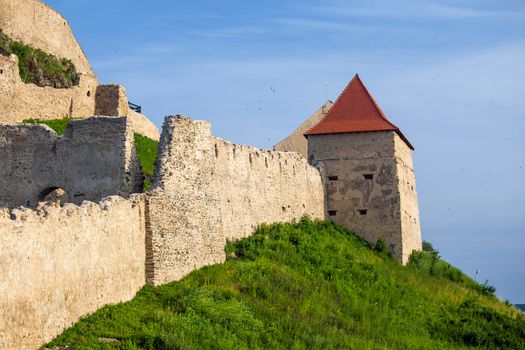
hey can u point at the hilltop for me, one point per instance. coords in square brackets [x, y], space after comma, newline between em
[310, 284]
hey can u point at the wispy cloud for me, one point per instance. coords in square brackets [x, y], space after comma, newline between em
[308, 23]
[231, 31]
[405, 9]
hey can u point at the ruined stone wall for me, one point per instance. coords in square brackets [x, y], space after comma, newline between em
[35, 23]
[362, 180]
[296, 142]
[93, 159]
[184, 226]
[207, 191]
[19, 101]
[59, 264]
[112, 100]
[38, 25]
[261, 186]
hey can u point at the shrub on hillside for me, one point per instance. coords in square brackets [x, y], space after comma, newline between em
[38, 67]
[428, 261]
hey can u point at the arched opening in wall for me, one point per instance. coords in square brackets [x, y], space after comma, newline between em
[43, 194]
[89, 93]
[1, 71]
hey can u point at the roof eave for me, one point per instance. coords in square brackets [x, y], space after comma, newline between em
[353, 132]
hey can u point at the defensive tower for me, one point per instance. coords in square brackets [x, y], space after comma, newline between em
[367, 168]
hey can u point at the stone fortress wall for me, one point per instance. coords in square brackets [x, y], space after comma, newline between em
[35, 23]
[370, 187]
[94, 158]
[112, 100]
[258, 186]
[208, 191]
[58, 264]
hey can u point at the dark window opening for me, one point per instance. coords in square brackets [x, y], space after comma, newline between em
[332, 212]
[1, 71]
[333, 178]
[89, 93]
[43, 194]
[368, 176]
[362, 211]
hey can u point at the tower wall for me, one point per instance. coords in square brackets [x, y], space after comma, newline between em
[364, 176]
[410, 224]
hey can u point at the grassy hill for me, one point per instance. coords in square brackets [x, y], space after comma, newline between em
[308, 285]
[146, 147]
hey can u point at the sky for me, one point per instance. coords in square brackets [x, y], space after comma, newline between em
[450, 74]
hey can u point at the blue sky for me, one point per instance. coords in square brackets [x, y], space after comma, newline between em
[449, 74]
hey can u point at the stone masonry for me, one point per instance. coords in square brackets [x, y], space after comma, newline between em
[58, 264]
[208, 191]
[370, 187]
[35, 23]
[94, 158]
[368, 171]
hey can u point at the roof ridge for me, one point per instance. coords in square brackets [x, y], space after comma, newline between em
[376, 105]
[337, 100]
[355, 110]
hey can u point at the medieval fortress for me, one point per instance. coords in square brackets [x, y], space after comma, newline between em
[76, 231]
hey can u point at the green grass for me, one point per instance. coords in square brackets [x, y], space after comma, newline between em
[146, 147]
[147, 153]
[309, 285]
[59, 125]
[38, 67]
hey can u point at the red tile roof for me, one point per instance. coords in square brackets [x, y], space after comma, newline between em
[355, 111]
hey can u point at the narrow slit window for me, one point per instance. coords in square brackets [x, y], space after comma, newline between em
[332, 212]
[333, 178]
[362, 211]
[368, 176]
